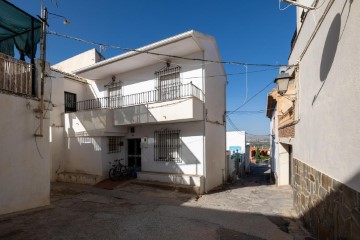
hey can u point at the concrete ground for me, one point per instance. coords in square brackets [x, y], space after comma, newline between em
[248, 209]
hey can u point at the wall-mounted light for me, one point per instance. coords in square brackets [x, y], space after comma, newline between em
[66, 21]
[282, 82]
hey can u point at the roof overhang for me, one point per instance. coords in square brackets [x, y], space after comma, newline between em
[179, 45]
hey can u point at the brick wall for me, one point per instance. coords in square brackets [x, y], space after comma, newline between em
[329, 209]
[287, 131]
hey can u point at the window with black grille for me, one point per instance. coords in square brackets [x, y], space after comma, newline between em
[70, 102]
[114, 144]
[167, 146]
[168, 83]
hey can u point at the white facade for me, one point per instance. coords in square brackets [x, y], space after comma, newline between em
[236, 139]
[140, 108]
[79, 61]
[327, 82]
[25, 159]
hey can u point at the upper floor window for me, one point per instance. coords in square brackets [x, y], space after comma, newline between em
[115, 95]
[168, 82]
[70, 102]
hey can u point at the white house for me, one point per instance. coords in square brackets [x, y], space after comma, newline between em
[235, 140]
[161, 113]
[24, 152]
[325, 171]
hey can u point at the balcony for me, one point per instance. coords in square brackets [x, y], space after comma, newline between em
[177, 103]
[15, 76]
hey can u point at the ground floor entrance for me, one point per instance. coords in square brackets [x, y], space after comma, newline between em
[134, 152]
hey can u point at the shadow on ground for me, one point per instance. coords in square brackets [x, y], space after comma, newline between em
[132, 211]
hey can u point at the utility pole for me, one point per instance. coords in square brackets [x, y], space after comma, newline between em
[42, 75]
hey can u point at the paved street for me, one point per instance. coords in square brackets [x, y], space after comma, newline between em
[247, 209]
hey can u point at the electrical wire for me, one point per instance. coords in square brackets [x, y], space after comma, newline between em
[242, 105]
[167, 55]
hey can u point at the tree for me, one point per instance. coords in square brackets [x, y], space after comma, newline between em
[257, 154]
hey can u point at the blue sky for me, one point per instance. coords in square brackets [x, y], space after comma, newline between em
[252, 31]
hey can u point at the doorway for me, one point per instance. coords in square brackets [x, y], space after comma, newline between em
[134, 152]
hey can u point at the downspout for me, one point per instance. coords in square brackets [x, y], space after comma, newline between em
[204, 118]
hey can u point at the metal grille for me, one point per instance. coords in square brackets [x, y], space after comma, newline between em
[115, 96]
[168, 77]
[114, 144]
[70, 102]
[167, 146]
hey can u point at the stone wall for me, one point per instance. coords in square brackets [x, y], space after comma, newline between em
[329, 209]
[287, 131]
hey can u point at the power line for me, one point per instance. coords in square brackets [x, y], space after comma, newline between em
[238, 73]
[167, 55]
[229, 113]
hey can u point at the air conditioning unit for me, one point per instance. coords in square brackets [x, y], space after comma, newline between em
[296, 3]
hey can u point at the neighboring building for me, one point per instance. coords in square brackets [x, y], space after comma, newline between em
[24, 155]
[281, 111]
[160, 114]
[324, 171]
[236, 141]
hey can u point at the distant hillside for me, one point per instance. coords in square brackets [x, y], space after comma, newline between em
[258, 140]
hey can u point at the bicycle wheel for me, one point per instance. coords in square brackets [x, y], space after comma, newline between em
[112, 174]
[123, 171]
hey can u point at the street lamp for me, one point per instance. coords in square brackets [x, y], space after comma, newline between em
[282, 82]
[66, 21]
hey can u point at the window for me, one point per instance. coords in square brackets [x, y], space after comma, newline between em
[168, 83]
[115, 95]
[114, 144]
[167, 146]
[70, 102]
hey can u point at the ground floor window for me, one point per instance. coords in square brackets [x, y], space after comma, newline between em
[114, 144]
[167, 145]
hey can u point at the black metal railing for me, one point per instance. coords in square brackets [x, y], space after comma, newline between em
[159, 95]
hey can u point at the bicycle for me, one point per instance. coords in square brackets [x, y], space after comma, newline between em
[118, 170]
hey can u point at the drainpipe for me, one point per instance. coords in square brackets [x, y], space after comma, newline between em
[204, 119]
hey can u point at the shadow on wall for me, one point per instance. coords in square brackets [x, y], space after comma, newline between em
[329, 209]
[330, 48]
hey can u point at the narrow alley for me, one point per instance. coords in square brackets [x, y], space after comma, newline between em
[251, 208]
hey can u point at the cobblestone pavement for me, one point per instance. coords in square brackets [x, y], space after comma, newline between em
[250, 208]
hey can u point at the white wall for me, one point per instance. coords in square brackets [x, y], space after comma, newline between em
[25, 163]
[79, 61]
[215, 132]
[236, 138]
[191, 136]
[326, 134]
[215, 155]
[142, 80]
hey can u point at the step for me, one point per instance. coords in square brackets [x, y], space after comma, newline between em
[175, 178]
[186, 182]
[82, 178]
[169, 186]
